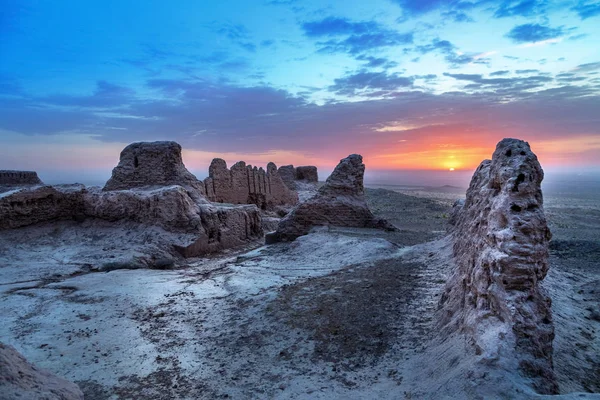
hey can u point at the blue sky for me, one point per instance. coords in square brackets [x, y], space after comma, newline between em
[409, 84]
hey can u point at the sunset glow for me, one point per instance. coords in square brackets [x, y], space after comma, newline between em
[299, 82]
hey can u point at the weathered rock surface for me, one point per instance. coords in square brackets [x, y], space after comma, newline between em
[14, 178]
[245, 184]
[152, 164]
[20, 379]
[340, 202]
[501, 252]
[291, 175]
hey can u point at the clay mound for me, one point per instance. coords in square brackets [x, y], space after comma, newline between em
[21, 380]
[17, 178]
[501, 252]
[152, 164]
[340, 202]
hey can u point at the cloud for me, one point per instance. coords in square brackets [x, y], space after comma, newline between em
[527, 71]
[106, 95]
[451, 53]
[522, 8]
[500, 73]
[377, 62]
[507, 88]
[365, 83]
[531, 33]
[587, 9]
[418, 7]
[346, 36]
[333, 26]
[219, 116]
[588, 67]
[237, 33]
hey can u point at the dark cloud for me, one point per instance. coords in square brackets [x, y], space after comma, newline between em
[353, 37]
[500, 73]
[587, 9]
[528, 33]
[370, 83]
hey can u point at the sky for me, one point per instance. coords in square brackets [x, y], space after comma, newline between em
[412, 85]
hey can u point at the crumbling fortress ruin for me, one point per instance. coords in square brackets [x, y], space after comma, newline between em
[245, 184]
[293, 175]
[14, 178]
[501, 252]
[340, 202]
[151, 186]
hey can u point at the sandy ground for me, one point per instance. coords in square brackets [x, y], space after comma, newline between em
[339, 313]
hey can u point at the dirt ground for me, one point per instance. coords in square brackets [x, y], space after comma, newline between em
[339, 313]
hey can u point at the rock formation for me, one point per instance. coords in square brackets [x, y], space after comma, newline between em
[20, 379]
[244, 184]
[152, 164]
[340, 202]
[17, 178]
[501, 254]
[291, 175]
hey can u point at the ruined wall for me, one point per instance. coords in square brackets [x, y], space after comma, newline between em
[152, 164]
[307, 173]
[29, 206]
[501, 252]
[290, 175]
[245, 184]
[340, 202]
[16, 178]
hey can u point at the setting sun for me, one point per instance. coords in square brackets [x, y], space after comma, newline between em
[451, 169]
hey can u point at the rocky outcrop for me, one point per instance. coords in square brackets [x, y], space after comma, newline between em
[245, 184]
[340, 202]
[18, 178]
[501, 253]
[291, 175]
[20, 379]
[152, 164]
